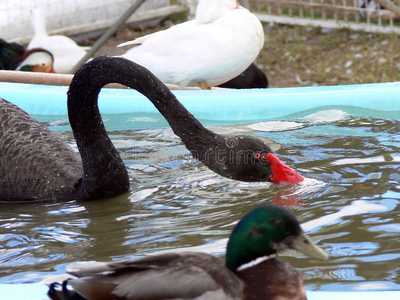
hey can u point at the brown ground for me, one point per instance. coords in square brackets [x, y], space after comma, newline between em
[306, 56]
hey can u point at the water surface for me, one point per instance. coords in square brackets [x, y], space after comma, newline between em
[349, 206]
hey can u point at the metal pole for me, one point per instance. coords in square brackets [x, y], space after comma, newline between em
[100, 42]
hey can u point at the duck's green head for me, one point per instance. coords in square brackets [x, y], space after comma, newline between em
[266, 230]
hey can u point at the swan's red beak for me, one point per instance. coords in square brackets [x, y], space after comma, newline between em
[281, 173]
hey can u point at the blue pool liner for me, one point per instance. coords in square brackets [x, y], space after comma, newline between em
[220, 105]
[234, 106]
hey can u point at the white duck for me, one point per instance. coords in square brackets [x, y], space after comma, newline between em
[218, 45]
[65, 51]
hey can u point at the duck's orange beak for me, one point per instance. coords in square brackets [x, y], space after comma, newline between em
[281, 173]
[42, 69]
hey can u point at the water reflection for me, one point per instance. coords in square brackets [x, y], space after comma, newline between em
[348, 204]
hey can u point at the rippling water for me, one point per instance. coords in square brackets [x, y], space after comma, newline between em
[349, 203]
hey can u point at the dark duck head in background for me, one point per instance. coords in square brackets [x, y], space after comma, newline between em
[251, 78]
[15, 57]
[28, 148]
[247, 273]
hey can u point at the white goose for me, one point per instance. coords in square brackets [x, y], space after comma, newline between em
[65, 51]
[218, 45]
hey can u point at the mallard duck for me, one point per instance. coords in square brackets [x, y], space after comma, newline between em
[66, 52]
[247, 273]
[218, 45]
[15, 57]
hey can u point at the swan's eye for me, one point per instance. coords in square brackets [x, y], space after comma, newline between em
[261, 157]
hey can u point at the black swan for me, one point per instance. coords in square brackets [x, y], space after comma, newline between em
[193, 275]
[37, 165]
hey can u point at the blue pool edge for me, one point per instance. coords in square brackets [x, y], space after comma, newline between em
[39, 292]
[226, 104]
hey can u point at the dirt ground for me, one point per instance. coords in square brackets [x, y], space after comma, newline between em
[306, 56]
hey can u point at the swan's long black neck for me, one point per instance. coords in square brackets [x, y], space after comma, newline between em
[90, 134]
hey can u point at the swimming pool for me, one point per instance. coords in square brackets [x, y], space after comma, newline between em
[344, 138]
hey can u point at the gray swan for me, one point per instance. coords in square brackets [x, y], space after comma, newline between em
[37, 165]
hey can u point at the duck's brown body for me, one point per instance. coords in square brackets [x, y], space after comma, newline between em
[280, 281]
